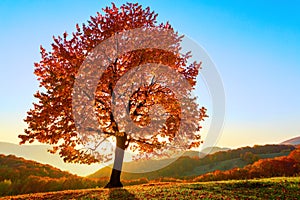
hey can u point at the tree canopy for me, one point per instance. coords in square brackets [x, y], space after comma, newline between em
[137, 97]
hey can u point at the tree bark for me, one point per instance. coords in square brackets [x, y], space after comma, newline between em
[115, 181]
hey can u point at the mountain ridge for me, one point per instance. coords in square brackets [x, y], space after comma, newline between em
[292, 141]
[186, 166]
[40, 154]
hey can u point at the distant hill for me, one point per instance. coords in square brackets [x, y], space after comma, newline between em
[204, 152]
[13, 168]
[19, 176]
[293, 141]
[186, 167]
[211, 150]
[283, 166]
[40, 154]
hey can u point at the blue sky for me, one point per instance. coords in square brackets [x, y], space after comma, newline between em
[254, 44]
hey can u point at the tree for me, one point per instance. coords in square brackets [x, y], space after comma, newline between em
[249, 157]
[62, 119]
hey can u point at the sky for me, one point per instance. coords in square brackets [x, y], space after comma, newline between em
[254, 45]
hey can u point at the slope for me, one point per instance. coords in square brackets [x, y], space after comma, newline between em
[187, 167]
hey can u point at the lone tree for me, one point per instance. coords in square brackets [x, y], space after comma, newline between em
[52, 120]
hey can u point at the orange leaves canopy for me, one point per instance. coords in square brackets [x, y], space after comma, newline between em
[51, 120]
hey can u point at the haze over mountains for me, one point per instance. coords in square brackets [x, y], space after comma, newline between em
[183, 167]
[19, 176]
[39, 153]
[186, 167]
[292, 141]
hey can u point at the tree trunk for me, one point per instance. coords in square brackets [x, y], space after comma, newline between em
[118, 162]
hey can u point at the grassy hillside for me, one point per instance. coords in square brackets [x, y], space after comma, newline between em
[274, 188]
[268, 167]
[20, 176]
[186, 167]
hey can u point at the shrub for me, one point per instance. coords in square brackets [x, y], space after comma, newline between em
[5, 187]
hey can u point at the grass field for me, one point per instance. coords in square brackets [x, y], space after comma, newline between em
[272, 188]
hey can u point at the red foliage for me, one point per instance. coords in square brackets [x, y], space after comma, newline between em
[51, 119]
[263, 168]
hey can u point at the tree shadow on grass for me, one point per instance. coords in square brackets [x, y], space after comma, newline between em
[120, 193]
